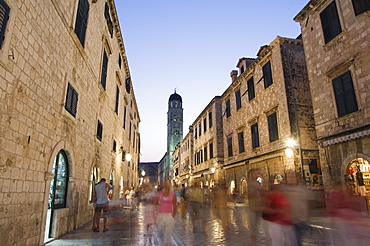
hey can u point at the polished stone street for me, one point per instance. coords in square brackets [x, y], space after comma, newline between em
[126, 227]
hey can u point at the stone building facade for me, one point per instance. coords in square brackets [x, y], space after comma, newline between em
[208, 145]
[336, 36]
[183, 159]
[266, 105]
[68, 115]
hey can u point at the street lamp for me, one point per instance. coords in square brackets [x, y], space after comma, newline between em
[143, 173]
[128, 157]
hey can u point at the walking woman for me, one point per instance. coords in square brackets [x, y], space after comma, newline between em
[167, 207]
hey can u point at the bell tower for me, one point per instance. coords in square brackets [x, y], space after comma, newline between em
[174, 127]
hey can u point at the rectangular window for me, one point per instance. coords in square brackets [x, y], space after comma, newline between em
[129, 134]
[104, 70]
[210, 119]
[196, 133]
[238, 100]
[227, 110]
[99, 131]
[267, 74]
[200, 129]
[71, 101]
[211, 151]
[124, 118]
[255, 137]
[4, 16]
[108, 20]
[330, 22]
[273, 127]
[114, 146]
[241, 142]
[344, 92]
[81, 20]
[205, 124]
[128, 85]
[119, 61]
[230, 147]
[123, 155]
[205, 154]
[251, 93]
[361, 6]
[201, 156]
[117, 100]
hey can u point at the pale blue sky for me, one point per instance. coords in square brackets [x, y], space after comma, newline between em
[192, 45]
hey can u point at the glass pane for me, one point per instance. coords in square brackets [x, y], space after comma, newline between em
[61, 180]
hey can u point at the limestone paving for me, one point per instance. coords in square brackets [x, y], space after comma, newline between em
[126, 227]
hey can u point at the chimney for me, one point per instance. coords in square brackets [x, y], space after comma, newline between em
[233, 75]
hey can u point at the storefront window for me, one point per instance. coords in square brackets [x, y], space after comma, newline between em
[58, 186]
[357, 177]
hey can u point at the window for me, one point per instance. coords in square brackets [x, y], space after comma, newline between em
[251, 93]
[330, 22]
[71, 101]
[99, 131]
[81, 20]
[129, 134]
[4, 16]
[201, 155]
[267, 75]
[176, 131]
[200, 129]
[58, 186]
[124, 117]
[227, 111]
[230, 146]
[255, 137]
[108, 19]
[344, 92]
[114, 146]
[238, 100]
[273, 127]
[361, 6]
[205, 124]
[210, 150]
[128, 86]
[210, 119]
[241, 69]
[241, 142]
[119, 61]
[205, 154]
[196, 133]
[117, 100]
[104, 70]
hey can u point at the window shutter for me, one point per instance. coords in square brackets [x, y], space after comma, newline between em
[117, 100]
[250, 84]
[104, 72]
[267, 74]
[361, 6]
[330, 22]
[4, 16]
[74, 102]
[81, 20]
[255, 138]
[345, 97]
[273, 128]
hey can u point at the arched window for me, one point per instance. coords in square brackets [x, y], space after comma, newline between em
[94, 180]
[58, 186]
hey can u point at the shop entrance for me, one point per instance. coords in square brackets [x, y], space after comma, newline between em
[357, 177]
[57, 192]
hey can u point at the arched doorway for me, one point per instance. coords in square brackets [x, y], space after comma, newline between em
[57, 191]
[357, 177]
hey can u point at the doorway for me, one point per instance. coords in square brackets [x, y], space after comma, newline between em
[57, 192]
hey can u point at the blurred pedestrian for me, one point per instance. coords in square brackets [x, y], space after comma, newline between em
[149, 213]
[196, 199]
[220, 205]
[277, 212]
[102, 204]
[256, 204]
[167, 208]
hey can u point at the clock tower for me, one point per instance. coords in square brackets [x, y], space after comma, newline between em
[174, 128]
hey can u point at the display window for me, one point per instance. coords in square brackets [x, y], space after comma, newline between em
[58, 186]
[357, 177]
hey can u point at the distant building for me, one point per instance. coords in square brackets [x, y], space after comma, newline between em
[148, 173]
[336, 36]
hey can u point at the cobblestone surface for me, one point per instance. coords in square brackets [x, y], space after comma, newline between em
[126, 227]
